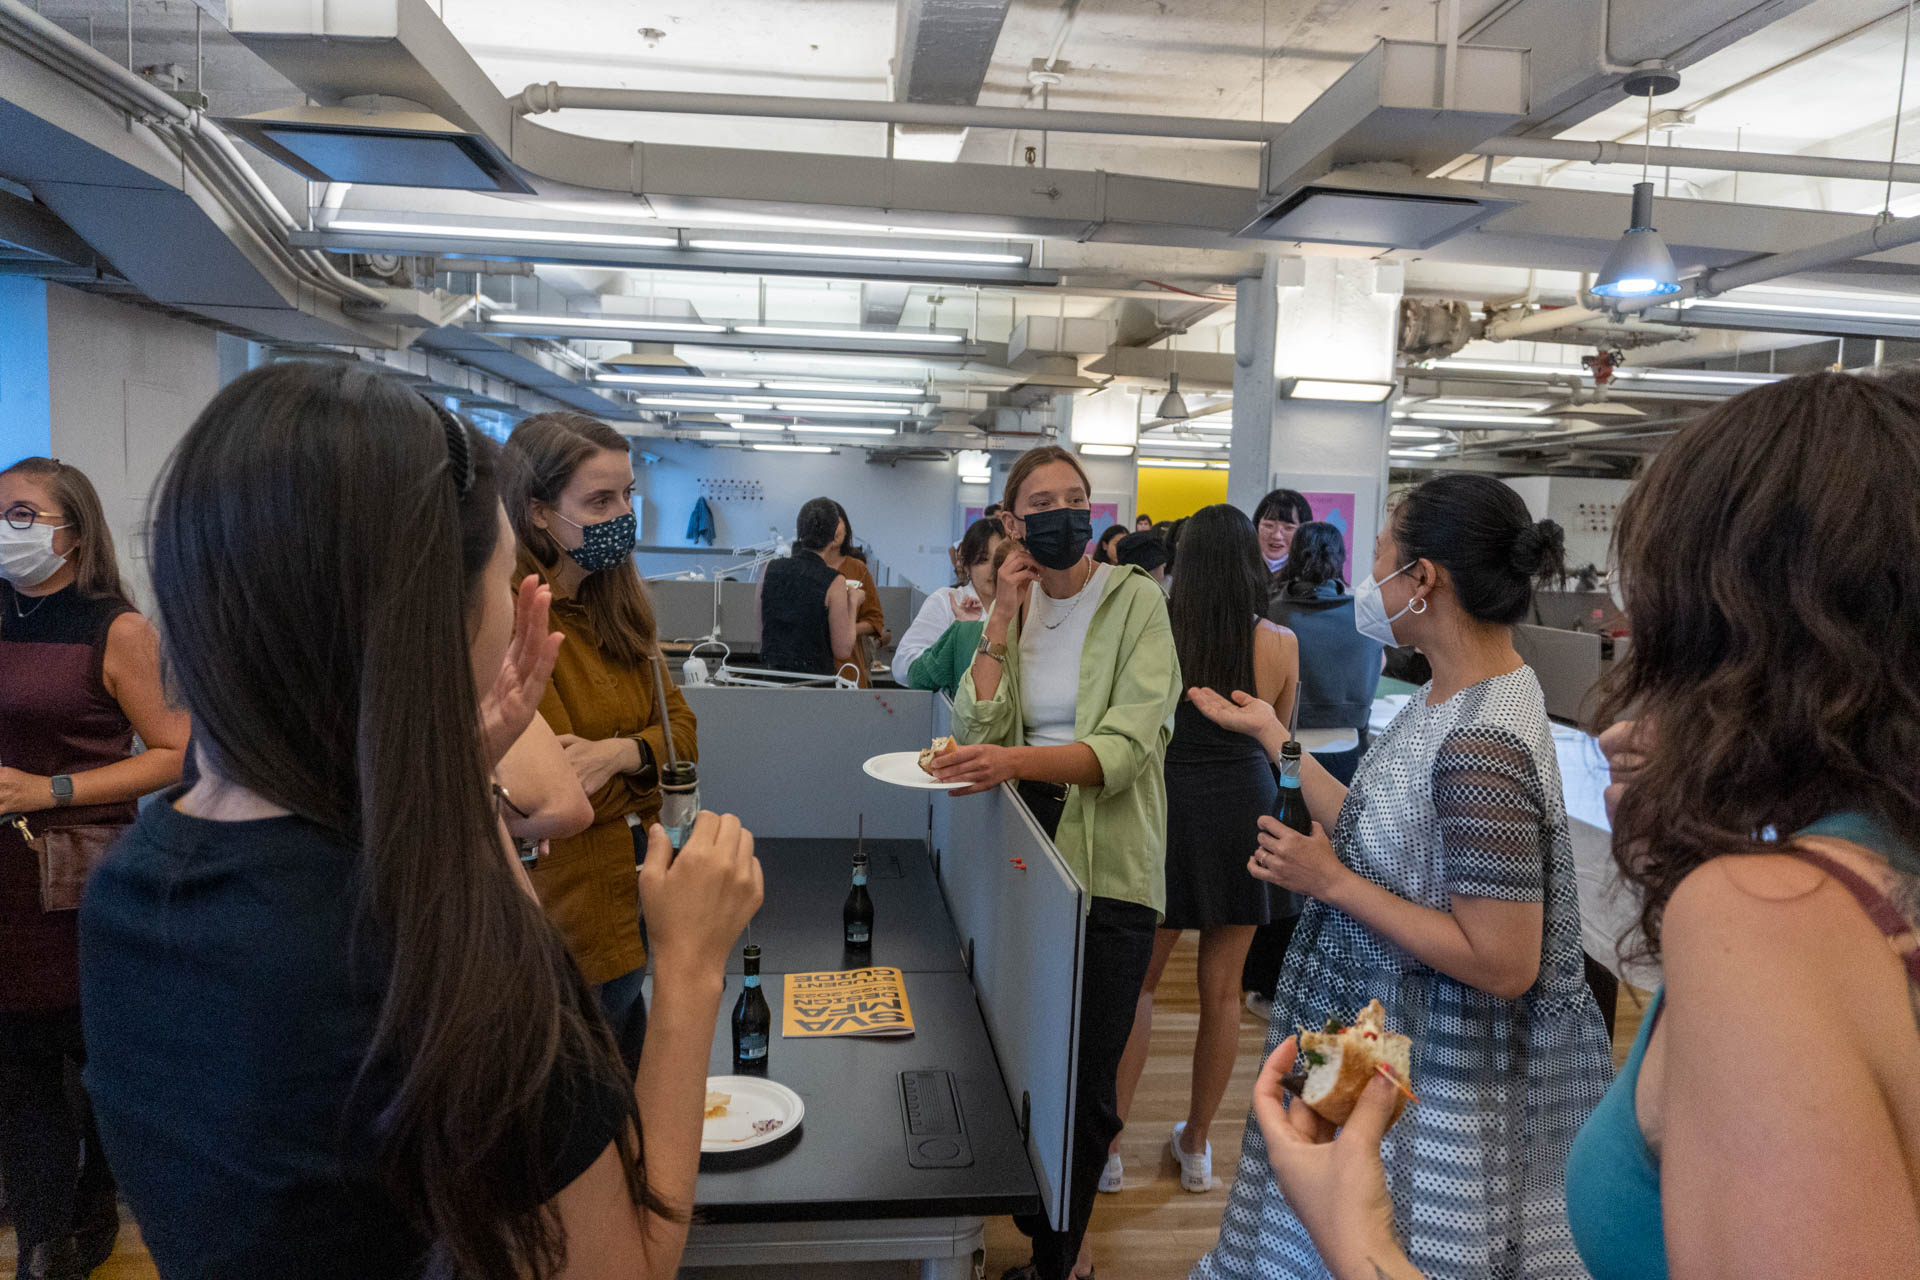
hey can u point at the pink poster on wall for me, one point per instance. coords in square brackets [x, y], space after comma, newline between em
[1105, 514]
[1337, 510]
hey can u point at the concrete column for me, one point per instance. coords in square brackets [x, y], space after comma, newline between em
[1322, 317]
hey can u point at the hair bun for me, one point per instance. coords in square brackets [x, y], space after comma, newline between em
[1539, 550]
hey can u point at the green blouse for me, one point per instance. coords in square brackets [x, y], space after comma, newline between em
[1113, 836]
[944, 665]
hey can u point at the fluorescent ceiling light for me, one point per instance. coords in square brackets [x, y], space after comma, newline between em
[1498, 419]
[902, 254]
[728, 417]
[1722, 377]
[718, 219]
[1335, 389]
[845, 431]
[854, 335]
[792, 448]
[760, 426]
[510, 319]
[520, 235]
[1158, 442]
[1495, 366]
[689, 402]
[1182, 464]
[972, 482]
[851, 408]
[1468, 402]
[855, 388]
[1416, 433]
[1107, 450]
[693, 381]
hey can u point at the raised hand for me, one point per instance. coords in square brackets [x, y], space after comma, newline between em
[510, 705]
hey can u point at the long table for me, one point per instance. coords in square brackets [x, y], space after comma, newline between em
[843, 1199]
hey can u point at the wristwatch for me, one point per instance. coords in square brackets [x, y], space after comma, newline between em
[997, 650]
[62, 790]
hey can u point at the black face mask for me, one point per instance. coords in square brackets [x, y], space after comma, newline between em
[1058, 538]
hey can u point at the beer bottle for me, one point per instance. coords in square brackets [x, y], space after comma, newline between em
[857, 916]
[752, 1021]
[1291, 807]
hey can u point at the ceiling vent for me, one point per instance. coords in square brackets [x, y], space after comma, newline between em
[1331, 215]
[387, 142]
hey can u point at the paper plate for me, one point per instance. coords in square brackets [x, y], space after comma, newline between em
[759, 1112]
[902, 769]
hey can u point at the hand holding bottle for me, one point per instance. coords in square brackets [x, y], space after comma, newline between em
[697, 903]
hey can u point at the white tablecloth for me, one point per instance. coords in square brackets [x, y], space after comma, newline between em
[1607, 907]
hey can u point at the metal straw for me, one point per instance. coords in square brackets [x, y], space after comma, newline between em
[660, 697]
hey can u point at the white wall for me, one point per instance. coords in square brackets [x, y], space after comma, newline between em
[1583, 506]
[124, 384]
[908, 513]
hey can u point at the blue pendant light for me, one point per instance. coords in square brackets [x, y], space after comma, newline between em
[1640, 266]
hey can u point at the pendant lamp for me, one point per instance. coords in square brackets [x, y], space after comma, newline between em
[1640, 266]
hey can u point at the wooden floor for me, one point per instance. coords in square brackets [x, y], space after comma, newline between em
[1151, 1230]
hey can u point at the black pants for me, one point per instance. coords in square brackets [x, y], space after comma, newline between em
[626, 1009]
[45, 1122]
[1113, 968]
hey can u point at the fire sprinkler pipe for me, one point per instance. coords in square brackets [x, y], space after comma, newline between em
[1598, 152]
[537, 98]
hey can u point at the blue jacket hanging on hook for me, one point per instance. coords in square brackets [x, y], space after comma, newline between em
[700, 524]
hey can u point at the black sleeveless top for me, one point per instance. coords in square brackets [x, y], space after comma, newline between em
[793, 615]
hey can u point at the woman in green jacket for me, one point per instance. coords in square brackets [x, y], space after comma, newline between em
[1071, 695]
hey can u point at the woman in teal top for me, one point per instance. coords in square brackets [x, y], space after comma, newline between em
[1767, 1122]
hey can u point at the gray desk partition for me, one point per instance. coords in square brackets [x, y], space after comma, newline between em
[1567, 662]
[1024, 931]
[787, 761]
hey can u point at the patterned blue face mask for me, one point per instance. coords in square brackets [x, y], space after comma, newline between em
[603, 545]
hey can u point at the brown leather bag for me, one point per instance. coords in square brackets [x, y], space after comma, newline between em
[67, 857]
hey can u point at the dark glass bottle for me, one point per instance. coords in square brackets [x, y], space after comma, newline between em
[1291, 807]
[857, 916]
[752, 1020]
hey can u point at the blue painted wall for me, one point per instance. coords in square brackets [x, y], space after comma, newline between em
[26, 414]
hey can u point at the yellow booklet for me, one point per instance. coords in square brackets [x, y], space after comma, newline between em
[849, 1002]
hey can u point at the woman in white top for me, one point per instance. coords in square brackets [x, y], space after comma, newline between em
[949, 605]
[1071, 694]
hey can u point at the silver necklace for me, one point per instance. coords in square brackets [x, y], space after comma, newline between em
[27, 613]
[1082, 591]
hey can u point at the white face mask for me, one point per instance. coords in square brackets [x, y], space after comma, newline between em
[27, 557]
[1370, 609]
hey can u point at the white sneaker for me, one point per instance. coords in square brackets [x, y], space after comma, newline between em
[1259, 1006]
[1110, 1176]
[1196, 1172]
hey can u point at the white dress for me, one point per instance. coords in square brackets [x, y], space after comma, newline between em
[1457, 799]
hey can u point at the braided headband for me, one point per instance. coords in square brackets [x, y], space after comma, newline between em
[459, 448]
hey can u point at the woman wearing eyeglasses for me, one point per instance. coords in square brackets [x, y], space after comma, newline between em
[79, 676]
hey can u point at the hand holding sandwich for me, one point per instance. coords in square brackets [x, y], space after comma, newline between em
[1304, 864]
[1333, 1180]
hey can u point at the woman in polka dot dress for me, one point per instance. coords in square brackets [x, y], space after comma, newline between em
[1446, 892]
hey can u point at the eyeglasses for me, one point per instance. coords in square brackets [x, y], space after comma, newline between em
[21, 515]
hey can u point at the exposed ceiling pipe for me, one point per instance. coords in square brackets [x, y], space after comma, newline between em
[1596, 152]
[537, 98]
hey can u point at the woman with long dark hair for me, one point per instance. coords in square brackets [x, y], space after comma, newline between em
[1069, 696]
[808, 612]
[870, 634]
[1220, 783]
[1446, 891]
[567, 482]
[79, 677]
[329, 1027]
[1765, 806]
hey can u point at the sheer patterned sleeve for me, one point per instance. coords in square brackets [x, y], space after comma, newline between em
[1487, 800]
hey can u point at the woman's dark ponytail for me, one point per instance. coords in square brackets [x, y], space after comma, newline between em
[1540, 552]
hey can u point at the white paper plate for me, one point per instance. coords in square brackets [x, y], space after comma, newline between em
[761, 1111]
[902, 769]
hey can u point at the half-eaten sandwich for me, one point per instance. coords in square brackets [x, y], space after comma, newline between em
[940, 747]
[1341, 1061]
